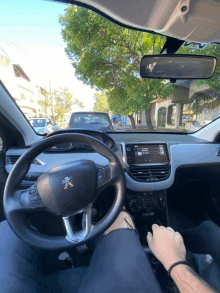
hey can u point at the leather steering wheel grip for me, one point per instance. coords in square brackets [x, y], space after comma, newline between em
[16, 216]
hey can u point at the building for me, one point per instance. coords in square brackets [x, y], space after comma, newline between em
[19, 85]
[190, 107]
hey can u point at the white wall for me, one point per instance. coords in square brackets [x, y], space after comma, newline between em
[166, 105]
[12, 83]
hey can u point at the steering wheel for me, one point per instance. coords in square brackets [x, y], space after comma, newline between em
[66, 190]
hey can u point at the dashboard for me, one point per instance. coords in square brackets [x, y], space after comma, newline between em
[66, 147]
[150, 160]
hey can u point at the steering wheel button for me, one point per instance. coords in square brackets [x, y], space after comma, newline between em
[100, 177]
[34, 198]
[32, 191]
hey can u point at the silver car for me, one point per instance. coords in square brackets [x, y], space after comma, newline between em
[43, 125]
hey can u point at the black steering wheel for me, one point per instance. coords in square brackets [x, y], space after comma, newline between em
[65, 190]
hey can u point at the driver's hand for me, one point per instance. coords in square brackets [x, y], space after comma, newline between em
[167, 245]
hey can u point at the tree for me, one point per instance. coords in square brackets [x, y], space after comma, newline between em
[46, 103]
[58, 103]
[64, 102]
[101, 102]
[107, 56]
[22, 96]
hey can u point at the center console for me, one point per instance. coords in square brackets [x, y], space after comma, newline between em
[147, 162]
[147, 208]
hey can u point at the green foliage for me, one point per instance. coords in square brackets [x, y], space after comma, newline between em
[46, 103]
[22, 96]
[210, 50]
[78, 103]
[64, 102]
[107, 57]
[101, 102]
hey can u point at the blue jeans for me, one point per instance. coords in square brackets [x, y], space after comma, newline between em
[201, 240]
[118, 265]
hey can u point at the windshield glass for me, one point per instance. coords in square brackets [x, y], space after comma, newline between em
[38, 122]
[70, 60]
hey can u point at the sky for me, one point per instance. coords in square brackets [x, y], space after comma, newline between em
[33, 26]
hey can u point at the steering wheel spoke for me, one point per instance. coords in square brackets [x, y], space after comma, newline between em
[87, 226]
[30, 200]
[104, 178]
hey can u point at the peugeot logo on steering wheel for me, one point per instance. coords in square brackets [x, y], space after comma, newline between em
[67, 182]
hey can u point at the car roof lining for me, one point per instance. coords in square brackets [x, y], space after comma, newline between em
[88, 6]
[199, 23]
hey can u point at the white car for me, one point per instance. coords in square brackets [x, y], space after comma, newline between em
[43, 125]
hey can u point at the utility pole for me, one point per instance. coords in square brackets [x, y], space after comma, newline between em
[51, 102]
[45, 103]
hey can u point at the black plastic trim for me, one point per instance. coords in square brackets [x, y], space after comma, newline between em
[82, 131]
[171, 45]
[149, 167]
[10, 135]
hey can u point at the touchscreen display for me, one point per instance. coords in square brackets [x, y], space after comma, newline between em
[146, 154]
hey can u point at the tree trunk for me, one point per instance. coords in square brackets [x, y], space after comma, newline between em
[148, 119]
[132, 121]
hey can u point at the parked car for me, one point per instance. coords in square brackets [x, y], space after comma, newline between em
[43, 125]
[91, 121]
[185, 118]
[206, 121]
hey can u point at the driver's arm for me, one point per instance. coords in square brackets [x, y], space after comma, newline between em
[168, 247]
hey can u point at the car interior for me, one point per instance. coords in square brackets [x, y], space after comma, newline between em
[167, 178]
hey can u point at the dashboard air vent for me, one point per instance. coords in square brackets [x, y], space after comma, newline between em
[13, 159]
[150, 173]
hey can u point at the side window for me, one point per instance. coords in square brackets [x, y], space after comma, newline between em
[48, 122]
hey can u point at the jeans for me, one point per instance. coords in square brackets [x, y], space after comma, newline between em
[201, 240]
[118, 264]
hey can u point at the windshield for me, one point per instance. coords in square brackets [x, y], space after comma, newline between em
[38, 122]
[82, 71]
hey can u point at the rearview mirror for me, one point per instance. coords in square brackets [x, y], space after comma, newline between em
[177, 66]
